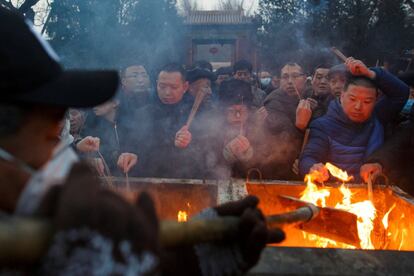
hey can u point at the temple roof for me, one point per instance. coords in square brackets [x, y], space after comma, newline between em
[229, 17]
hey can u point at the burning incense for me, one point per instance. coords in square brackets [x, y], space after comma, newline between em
[305, 140]
[107, 175]
[297, 91]
[339, 54]
[370, 191]
[241, 121]
[197, 102]
[127, 181]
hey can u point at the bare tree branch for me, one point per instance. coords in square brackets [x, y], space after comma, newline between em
[25, 7]
[7, 4]
[410, 3]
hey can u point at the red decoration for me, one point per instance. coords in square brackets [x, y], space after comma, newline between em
[214, 50]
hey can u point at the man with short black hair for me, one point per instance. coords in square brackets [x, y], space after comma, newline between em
[242, 70]
[315, 104]
[353, 126]
[136, 89]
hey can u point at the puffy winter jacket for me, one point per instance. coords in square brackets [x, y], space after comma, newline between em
[335, 138]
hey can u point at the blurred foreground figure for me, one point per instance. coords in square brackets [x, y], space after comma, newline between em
[353, 127]
[97, 232]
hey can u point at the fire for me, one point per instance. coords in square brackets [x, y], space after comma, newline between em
[182, 216]
[365, 210]
[385, 219]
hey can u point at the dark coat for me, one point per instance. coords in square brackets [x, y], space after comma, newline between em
[113, 139]
[154, 136]
[277, 140]
[397, 158]
[336, 139]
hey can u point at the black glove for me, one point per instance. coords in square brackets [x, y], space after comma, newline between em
[81, 208]
[253, 234]
[247, 246]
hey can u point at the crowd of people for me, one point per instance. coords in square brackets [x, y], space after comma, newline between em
[245, 121]
[358, 118]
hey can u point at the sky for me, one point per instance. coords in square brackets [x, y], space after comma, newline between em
[211, 4]
[42, 8]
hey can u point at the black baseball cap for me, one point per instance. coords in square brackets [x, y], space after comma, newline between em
[30, 72]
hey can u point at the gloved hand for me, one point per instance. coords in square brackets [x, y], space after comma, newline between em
[254, 234]
[183, 138]
[232, 257]
[303, 114]
[93, 224]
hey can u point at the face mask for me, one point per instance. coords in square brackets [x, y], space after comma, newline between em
[408, 106]
[265, 81]
[54, 172]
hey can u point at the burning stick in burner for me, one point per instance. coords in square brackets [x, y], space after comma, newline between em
[331, 223]
[107, 175]
[370, 191]
[127, 181]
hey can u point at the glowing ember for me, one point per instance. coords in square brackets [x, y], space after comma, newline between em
[338, 173]
[182, 216]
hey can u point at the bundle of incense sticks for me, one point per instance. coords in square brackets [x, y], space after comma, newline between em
[197, 102]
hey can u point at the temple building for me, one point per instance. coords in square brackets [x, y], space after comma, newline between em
[221, 37]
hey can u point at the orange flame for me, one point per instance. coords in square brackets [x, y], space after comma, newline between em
[182, 216]
[365, 210]
[385, 218]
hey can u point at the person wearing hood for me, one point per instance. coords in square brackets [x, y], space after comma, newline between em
[96, 232]
[353, 127]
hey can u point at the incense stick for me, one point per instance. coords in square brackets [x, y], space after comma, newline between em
[370, 191]
[197, 102]
[339, 54]
[127, 181]
[297, 91]
[241, 121]
[108, 172]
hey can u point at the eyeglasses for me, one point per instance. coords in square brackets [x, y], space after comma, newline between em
[293, 76]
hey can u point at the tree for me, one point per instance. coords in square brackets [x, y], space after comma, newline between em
[109, 33]
[304, 30]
